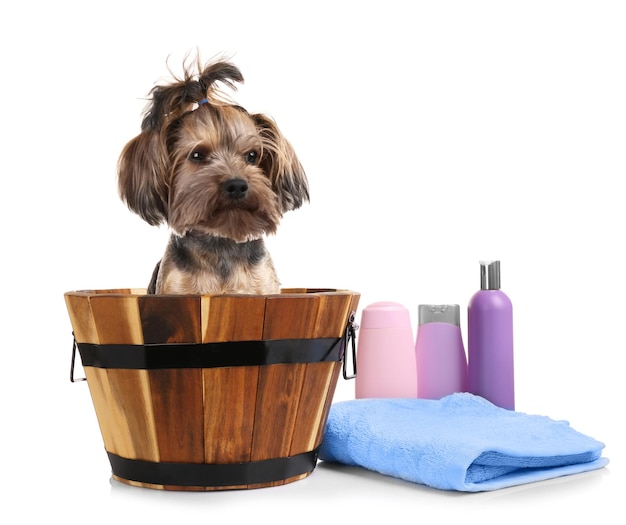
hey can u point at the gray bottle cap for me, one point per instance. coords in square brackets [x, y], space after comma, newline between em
[439, 313]
[489, 275]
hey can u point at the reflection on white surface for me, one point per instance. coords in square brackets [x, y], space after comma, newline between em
[351, 492]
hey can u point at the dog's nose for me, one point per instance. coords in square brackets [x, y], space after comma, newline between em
[235, 188]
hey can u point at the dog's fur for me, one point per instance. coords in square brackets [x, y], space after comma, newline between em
[220, 178]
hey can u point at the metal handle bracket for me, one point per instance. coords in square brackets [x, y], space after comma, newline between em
[349, 339]
[72, 378]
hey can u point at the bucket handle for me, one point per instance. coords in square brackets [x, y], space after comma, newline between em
[349, 340]
[72, 378]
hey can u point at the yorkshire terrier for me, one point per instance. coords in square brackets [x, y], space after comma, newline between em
[221, 179]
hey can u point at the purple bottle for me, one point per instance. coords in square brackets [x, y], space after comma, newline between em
[441, 361]
[490, 340]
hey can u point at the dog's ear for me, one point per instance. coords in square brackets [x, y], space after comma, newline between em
[142, 177]
[280, 163]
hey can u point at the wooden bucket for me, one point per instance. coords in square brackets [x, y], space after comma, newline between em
[213, 392]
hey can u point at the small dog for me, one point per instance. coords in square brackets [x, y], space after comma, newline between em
[219, 177]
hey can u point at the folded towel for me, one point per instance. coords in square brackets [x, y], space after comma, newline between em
[461, 442]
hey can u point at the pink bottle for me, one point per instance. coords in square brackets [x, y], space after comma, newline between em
[385, 353]
[441, 361]
[490, 340]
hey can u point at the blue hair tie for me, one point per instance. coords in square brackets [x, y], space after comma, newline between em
[203, 101]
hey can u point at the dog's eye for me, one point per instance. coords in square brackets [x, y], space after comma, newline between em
[252, 157]
[196, 156]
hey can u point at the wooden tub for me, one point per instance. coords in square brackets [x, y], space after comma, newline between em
[211, 392]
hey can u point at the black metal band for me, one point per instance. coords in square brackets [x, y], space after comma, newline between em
[213, 475]
[212, 355]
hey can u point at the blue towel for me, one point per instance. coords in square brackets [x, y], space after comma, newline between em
[461, 442]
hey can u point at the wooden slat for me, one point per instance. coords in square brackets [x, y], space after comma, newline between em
[287, 316]
[117, 319]
[176, 394]
[315, 391]
[332, 315]
[290, 316]
[232, 318]
[170, 319]
[132, 408]
[177, 404]
[229, 413]
[336, 370]
[230, 392]
[320, 379]
[81, 318]
[276, 408]
[288, 291]
[110, 420]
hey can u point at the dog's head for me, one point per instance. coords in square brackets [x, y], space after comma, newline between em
[203, 163]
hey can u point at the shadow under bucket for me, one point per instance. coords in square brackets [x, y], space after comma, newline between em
[215, 392]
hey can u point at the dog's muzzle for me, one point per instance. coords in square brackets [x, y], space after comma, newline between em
[235, 188]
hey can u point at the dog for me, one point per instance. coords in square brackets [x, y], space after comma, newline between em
[220, 178]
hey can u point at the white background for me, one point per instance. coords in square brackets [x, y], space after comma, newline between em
[434, 134]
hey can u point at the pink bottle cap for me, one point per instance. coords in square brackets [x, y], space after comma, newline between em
[385, 314]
